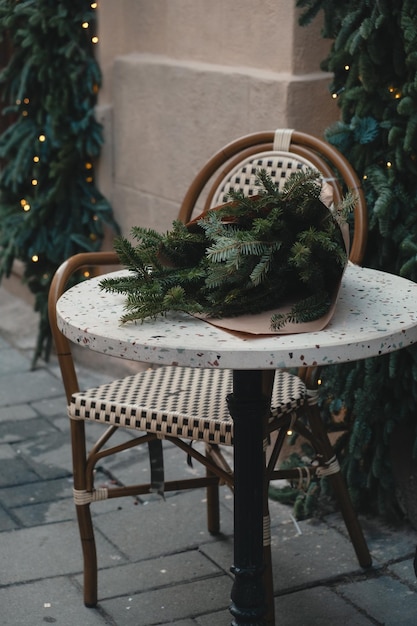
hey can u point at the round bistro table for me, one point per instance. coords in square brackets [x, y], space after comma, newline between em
[376, 313]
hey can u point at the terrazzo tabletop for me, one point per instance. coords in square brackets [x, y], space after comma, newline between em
[375, 313]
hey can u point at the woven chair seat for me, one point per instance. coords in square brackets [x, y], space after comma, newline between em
[178, 402]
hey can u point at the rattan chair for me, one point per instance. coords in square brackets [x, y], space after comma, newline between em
[200, 413]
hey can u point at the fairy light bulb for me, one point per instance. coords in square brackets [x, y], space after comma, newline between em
[94, 39]
[42, 138]
[86, 274]
[85, 25]
[35, 258]
[94, 5]
[389, 164]
[36, 159]
[34, 182]
[347, 67]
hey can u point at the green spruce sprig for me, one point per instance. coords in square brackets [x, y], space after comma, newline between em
[248, 256]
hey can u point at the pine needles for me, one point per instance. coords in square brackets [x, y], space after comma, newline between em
[248, 256]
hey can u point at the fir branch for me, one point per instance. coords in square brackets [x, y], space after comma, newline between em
[306, 310]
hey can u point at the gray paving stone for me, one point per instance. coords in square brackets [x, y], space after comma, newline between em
[17, 412]
[15, 471]
[47, 602]
[12, 431]
[170, 604]
[405, 572]
[219, 618]
[160, 526]
[386, 542]
[27, 387]
[315, 556]
[34, 493]
[50, 407]
[12, 361]
[49, 454]
[6, 521]
[45, 513]
[386, 599]
[319, 606]
[186, 622]
[47, 551]
[154, 574]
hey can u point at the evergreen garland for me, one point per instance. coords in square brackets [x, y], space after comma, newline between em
[50, 207]
[373, 59]
[250, 255]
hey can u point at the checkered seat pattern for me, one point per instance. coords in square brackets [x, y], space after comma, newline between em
[178, 402]
[278, 165]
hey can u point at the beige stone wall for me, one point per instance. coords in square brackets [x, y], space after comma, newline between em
[183, 77]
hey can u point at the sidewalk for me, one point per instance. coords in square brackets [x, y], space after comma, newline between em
[164, 568]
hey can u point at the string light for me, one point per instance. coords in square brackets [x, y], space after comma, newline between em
[42, 138]
[337, 93]
[395, 92]
[88, 166]
[347, 67]
[94, 39]
[94, 5]
[85, 24]
[34, 182]
[25, 205]
[36, 159]
[86, 274]
[35, 258]
[389, 164]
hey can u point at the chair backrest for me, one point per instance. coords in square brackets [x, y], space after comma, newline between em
[280, 152]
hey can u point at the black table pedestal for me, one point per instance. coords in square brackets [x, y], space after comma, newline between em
[247, 406]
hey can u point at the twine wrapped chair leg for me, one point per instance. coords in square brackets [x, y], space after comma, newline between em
[183, 405]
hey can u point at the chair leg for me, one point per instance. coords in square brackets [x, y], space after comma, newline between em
[213, 507]
[88, 545]
[330, 467]
[85, 525]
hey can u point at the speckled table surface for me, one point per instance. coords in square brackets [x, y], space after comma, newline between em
[376, 313]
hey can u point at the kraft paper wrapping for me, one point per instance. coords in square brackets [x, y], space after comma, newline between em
[260, 323]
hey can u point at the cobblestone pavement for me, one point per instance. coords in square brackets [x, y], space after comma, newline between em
[162, 567]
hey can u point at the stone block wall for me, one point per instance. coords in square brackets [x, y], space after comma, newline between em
[184, 77]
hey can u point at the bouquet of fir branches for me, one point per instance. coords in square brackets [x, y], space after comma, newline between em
[251, 255]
